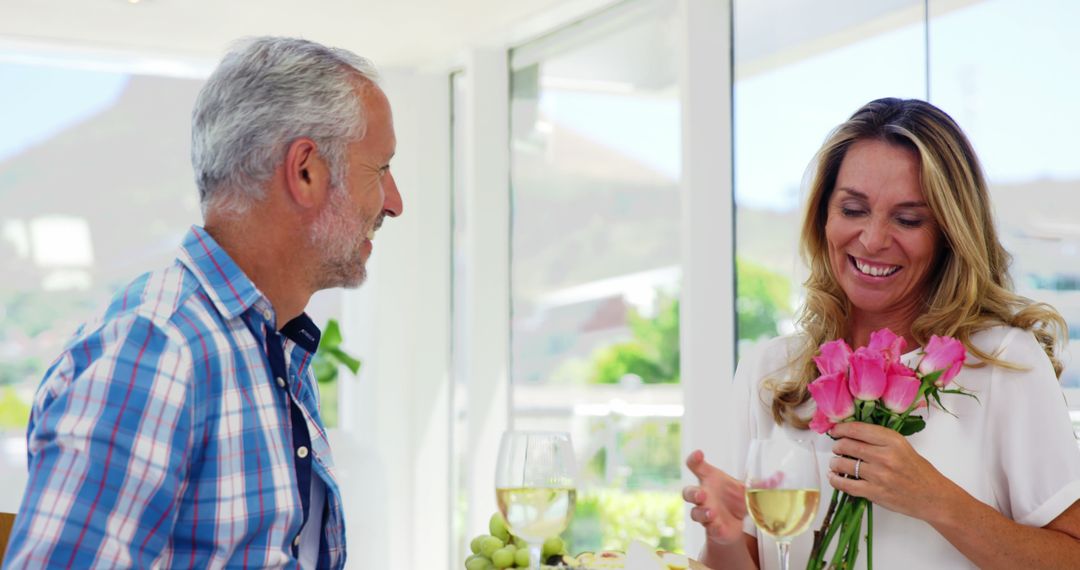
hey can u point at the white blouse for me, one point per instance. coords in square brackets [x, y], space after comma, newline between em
[1013, 449]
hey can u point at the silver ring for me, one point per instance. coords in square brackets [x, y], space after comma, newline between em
[858, 462]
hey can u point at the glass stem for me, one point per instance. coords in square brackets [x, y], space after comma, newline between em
[534, 556]
[782, 548]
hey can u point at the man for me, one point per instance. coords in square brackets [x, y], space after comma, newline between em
[181, 428]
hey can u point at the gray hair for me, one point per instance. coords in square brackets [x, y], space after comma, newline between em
[266, 93]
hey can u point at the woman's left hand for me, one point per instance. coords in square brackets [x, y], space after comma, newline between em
[891, 474]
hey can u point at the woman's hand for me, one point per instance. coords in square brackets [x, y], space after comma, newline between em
[718, 499]
[891, 474]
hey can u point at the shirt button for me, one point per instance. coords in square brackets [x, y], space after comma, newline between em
[280, 382]
[296, 541]
[301, 452]
[267, 315]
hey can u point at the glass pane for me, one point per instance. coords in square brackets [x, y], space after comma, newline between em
[82, 154]
[1013, 87]
[796, 78]
[595, 128]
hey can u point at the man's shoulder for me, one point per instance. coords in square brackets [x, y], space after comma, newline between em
[163, 299]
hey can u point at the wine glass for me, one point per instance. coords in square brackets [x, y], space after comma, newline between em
[782, 489]
[534, 486]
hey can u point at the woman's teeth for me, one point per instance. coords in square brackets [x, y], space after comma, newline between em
[875, 271]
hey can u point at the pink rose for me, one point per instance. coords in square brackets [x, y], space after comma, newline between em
[867, 374]
[945, 354]
[830, 392]
[888, 344]
[834, 357]
[771, 482]
[820, 423]
[901, 388]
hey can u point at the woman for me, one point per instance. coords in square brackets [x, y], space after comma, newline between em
[898, 233]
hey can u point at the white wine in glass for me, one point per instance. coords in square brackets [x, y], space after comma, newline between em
[534, 486]
[782, 489]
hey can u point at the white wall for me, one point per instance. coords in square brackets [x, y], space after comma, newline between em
[393, 451]
[707, 328]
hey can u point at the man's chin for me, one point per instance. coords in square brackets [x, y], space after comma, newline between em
[343, 277]
[355, 283]
[354, 278]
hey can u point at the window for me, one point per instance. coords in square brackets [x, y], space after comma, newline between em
[796, 78]
[799, 76]
[1009, 85]
[84, 152]
[97, 188]
[595, 172]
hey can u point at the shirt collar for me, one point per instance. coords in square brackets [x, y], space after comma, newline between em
[224, 282]
[303, 332]
[232, 292]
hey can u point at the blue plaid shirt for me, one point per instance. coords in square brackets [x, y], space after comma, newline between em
[162, 438]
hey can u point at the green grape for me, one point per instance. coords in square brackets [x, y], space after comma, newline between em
[520, 543]
[489, 544]
[503, 558]
[553, 545]
[521, 558]
[497, 526]
[475, 544]
[510, 546]
[477, 562]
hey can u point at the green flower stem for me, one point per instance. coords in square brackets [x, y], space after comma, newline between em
[814, 563]
[853, 544]
[845, 523]
[852, 550]
[869, 536]
[856, 532]
[825, 533]
[841, 515]
[851, 526]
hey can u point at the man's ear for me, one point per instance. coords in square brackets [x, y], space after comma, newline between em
[307, 177]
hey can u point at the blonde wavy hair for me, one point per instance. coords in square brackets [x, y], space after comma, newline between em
[970, 288]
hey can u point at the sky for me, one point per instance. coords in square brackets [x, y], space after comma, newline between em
[38, 102]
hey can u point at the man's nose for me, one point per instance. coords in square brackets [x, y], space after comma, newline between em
[392, 203]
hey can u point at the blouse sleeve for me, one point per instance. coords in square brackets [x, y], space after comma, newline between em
[1038, 458]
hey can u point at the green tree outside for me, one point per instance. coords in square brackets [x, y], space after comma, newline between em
[762, 301]
[653, 352]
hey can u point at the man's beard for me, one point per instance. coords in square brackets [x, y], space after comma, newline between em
[338, 241]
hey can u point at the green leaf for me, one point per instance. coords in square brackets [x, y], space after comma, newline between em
[912, 425]
[330, 355]
[345, 359]
[932, 377]
[961, 392]
[331, 335]
[937, 398]
[325, 370]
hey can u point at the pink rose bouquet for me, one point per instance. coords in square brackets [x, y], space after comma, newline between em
[872, 385]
